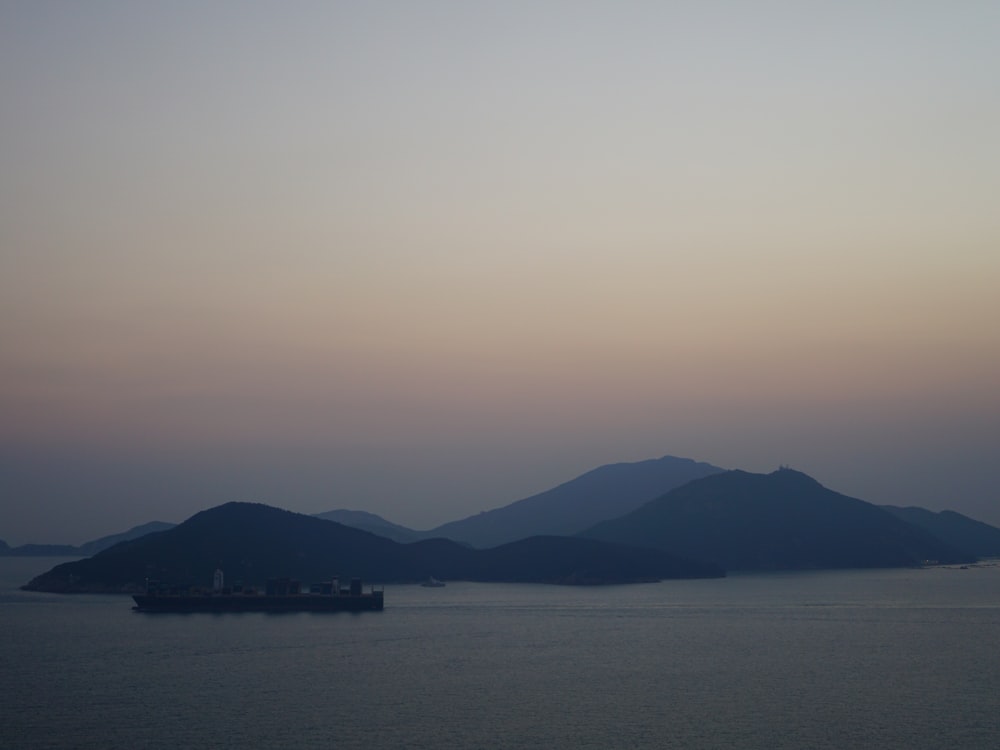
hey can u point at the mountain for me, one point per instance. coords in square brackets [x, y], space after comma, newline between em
[784, 520]
[252, 542]
[360, 519]
[87, 548]
[95, 546]
[961, 532]
[605, 492]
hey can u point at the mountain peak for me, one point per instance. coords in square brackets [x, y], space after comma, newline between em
[782, 520]
[597, 495]
[789, 475]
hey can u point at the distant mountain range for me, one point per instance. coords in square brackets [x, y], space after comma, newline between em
[611, 491]
[252, 542]
[732, 520]
[967, 534]
[606, 492]
[602, 493]
[779, 521]
[86, 549]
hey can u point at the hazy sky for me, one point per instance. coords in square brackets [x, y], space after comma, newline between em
[427, 258]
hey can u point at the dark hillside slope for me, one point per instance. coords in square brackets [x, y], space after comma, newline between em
[88, 548]
[360, 519]
[606, 492]
[961, 532]
[784, 520]
[96, 545]
[250, 542]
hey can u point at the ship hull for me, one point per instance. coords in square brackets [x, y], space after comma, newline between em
[246, 603]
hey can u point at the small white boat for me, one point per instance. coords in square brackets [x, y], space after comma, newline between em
[432, 583]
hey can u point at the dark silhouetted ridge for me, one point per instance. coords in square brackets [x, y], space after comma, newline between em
[602, 493]
[964, 533]
[252, 542]
[360, 519]
[783, 520]
[88, 548]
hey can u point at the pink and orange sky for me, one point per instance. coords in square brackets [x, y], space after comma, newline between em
[425, 259]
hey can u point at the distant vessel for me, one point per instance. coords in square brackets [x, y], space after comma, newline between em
[281, 595]
[432, 583]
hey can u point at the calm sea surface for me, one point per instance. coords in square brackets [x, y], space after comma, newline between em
[859, 659]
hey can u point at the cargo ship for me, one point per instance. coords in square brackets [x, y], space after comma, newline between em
[280, 595]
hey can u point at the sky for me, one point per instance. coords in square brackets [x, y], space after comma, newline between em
[426, 259]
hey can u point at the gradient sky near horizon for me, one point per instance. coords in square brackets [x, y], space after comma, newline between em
[427, 258]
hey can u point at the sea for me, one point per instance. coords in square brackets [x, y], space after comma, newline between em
[903, 658]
